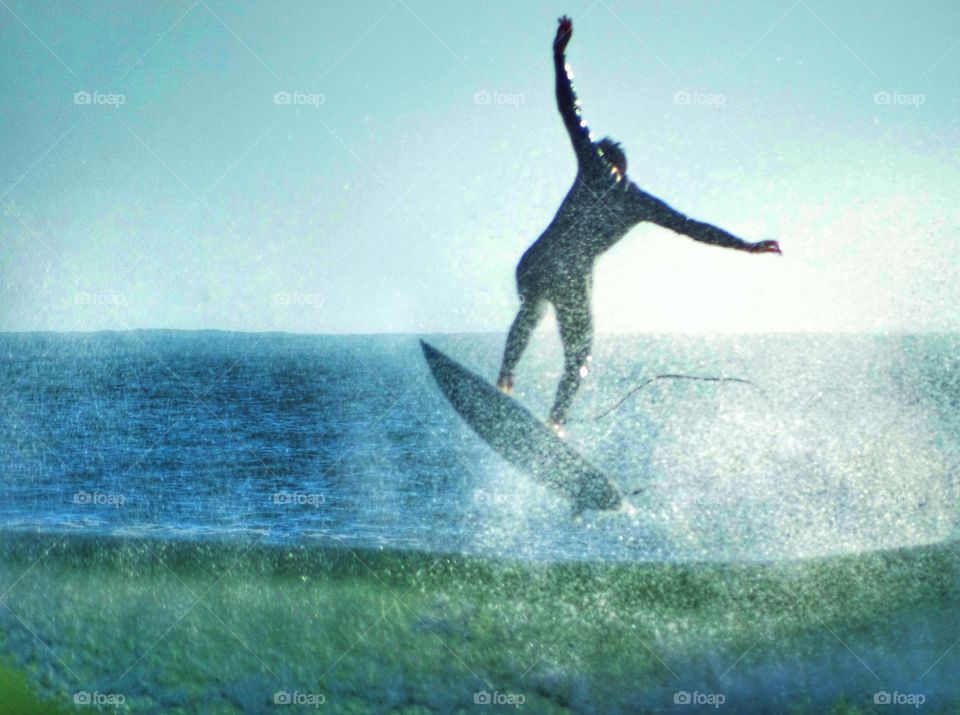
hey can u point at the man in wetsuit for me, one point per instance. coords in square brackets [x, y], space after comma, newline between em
[599, 210]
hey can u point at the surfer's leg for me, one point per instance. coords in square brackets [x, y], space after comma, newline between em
[576, 332]
[532, 308]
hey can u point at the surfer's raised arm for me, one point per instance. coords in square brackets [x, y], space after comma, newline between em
[649, 208]
[566, 98]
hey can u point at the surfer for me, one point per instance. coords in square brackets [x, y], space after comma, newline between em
[601, 207]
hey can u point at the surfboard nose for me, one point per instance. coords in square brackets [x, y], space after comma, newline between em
[434, 357]
[439, 363]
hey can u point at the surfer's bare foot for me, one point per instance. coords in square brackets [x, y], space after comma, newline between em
[627, 508]
[505, 383]
[557, 429]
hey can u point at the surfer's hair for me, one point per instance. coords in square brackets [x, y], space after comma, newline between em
[613, 153]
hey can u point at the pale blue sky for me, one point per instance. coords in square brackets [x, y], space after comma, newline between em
[390, 200]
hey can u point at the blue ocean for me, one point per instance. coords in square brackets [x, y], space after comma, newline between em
[837, 444]
[305, 515]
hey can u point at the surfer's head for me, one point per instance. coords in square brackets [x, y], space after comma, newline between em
[613, 154]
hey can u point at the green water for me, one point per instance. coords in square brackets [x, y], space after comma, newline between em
[18, 697]
[221, 628]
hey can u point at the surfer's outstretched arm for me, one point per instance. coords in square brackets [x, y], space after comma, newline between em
[658, 212]
[567, 101]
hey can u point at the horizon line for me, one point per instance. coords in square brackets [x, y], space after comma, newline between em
[99, 331]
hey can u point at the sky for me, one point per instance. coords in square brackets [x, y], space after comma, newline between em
[380, 166]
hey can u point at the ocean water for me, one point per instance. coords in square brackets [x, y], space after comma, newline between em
[840, 444]
[206, 522]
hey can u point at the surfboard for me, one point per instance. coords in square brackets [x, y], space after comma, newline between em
[519, 437]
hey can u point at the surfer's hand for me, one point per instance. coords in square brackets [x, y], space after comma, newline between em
[765, 247]
[505, 383]
[564, 31]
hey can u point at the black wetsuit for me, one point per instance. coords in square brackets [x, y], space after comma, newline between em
[599, 210]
